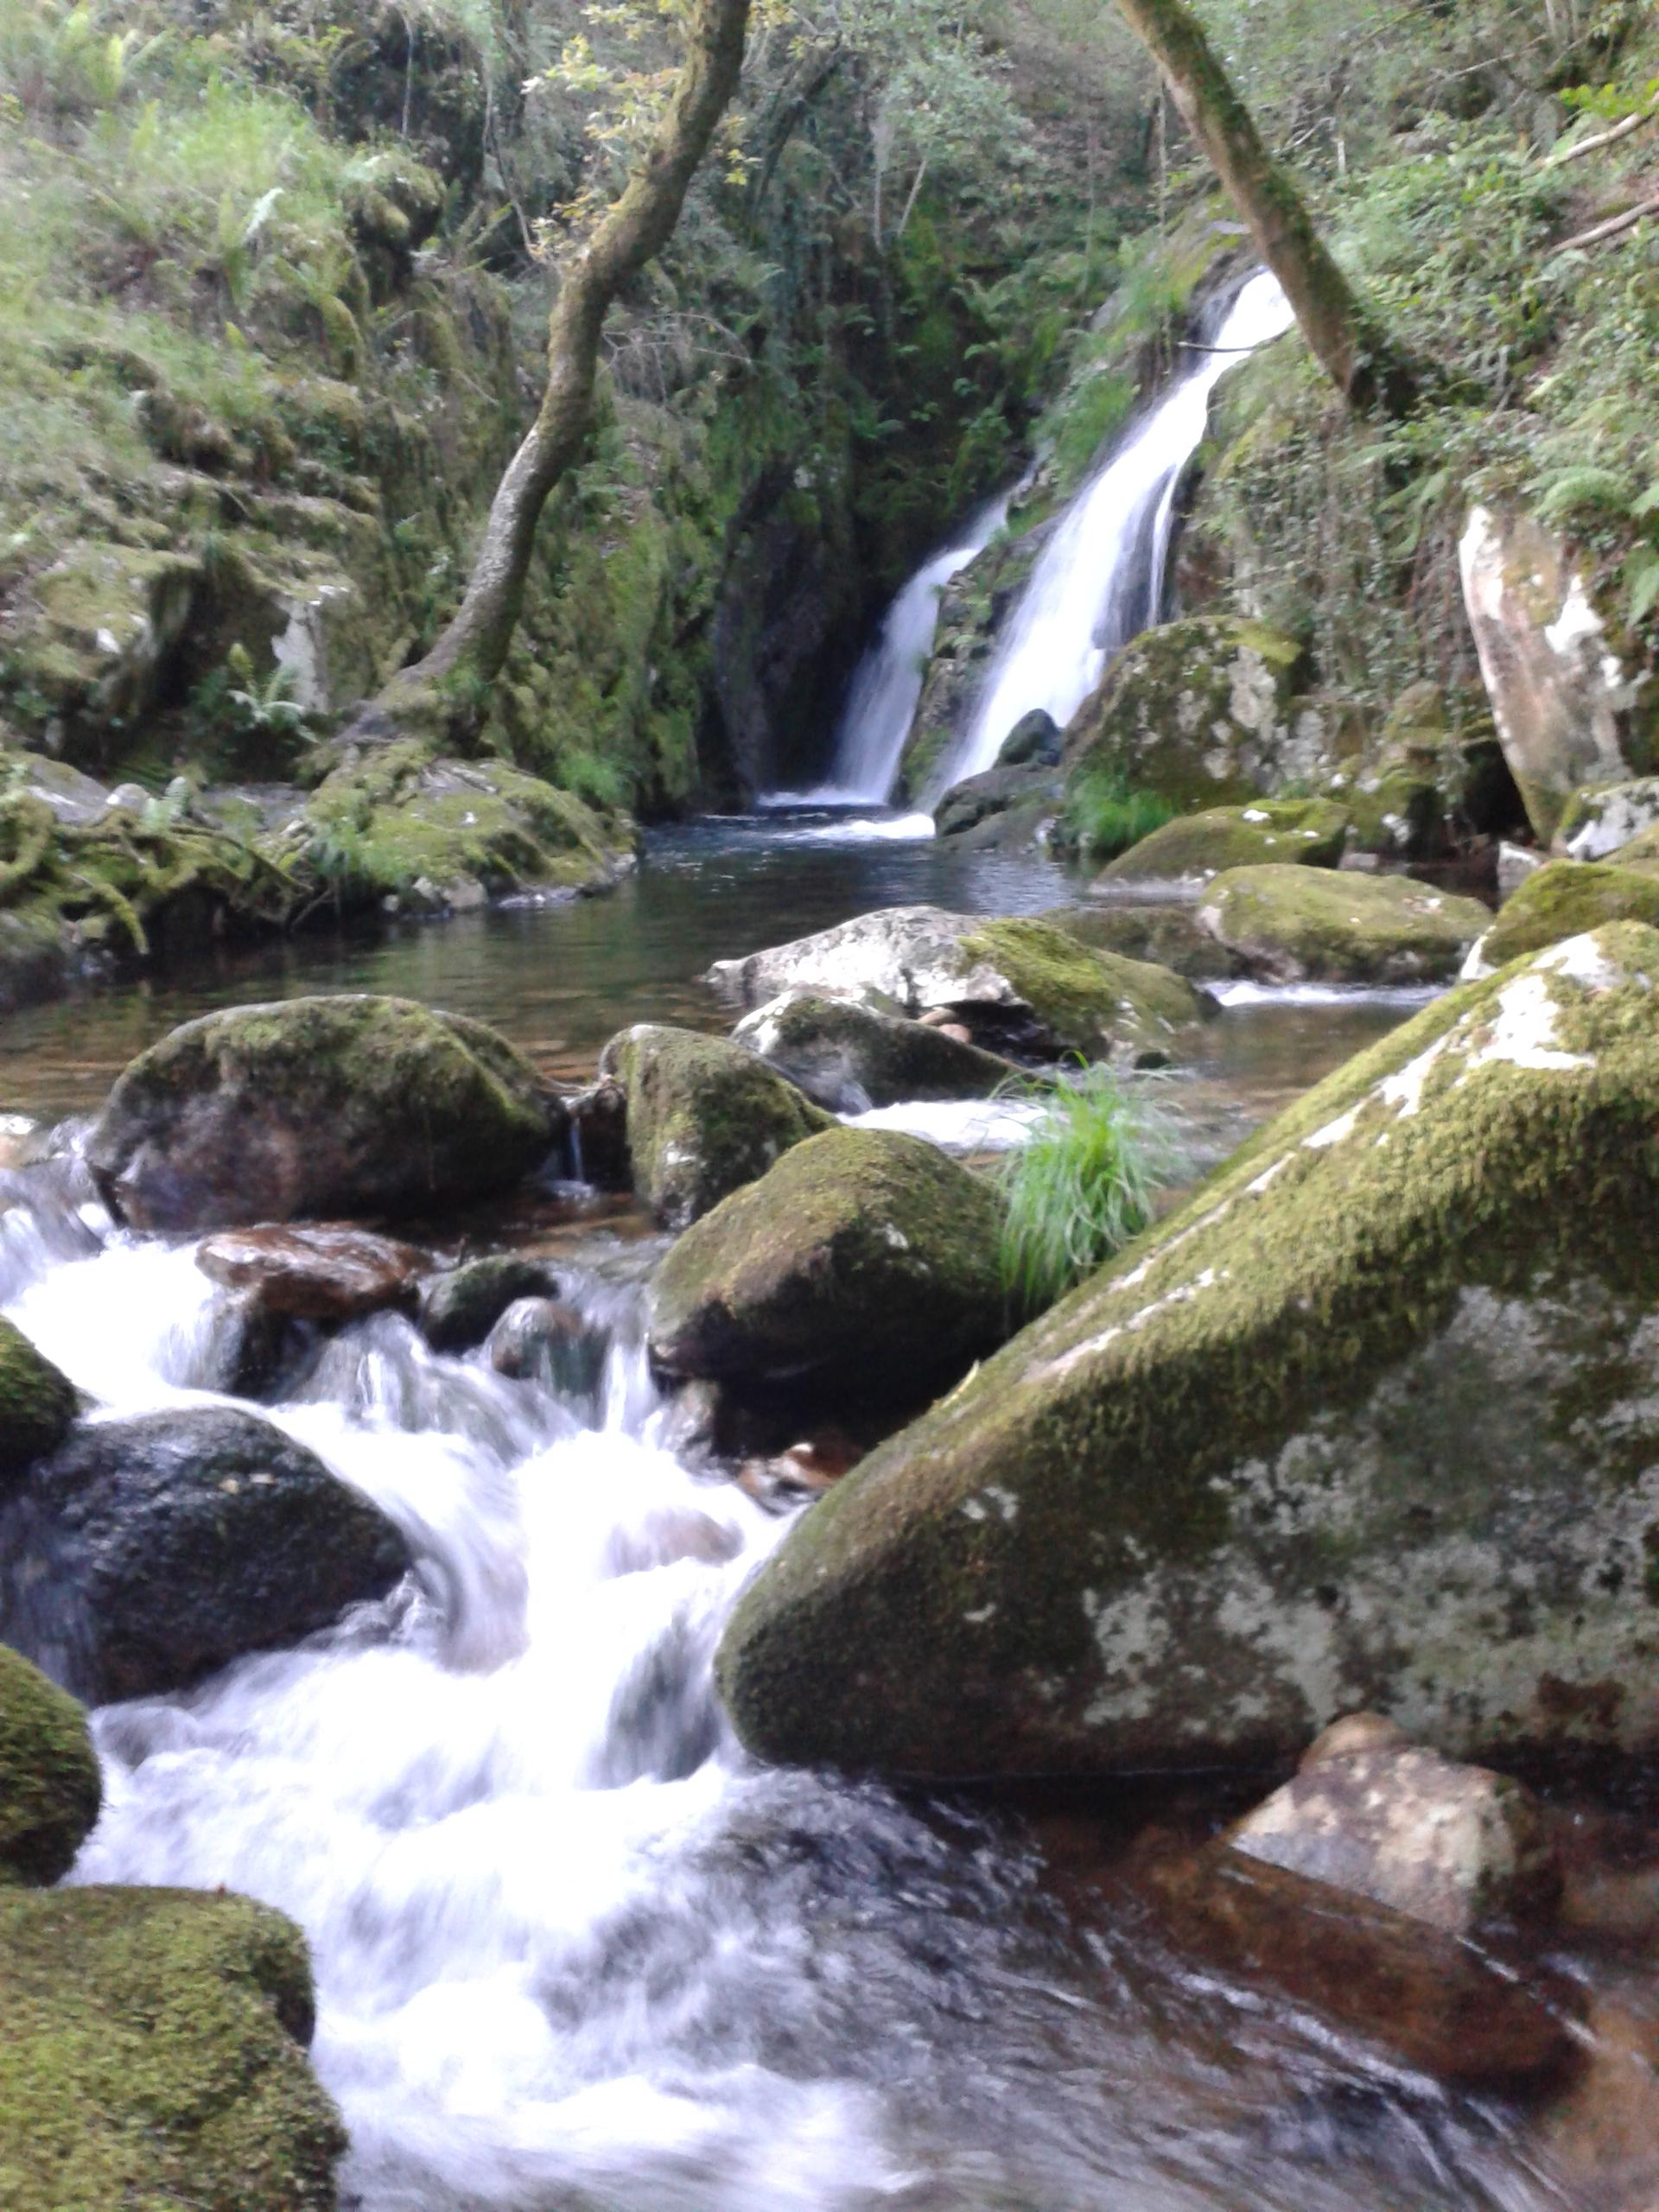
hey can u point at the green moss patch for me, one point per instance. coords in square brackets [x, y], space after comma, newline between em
[1563, 900]
[37, 1403]
[1299, 833]
[50, 1789]
[1297, 924]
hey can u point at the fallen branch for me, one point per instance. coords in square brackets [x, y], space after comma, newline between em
[1620, 130]
[1611, 229]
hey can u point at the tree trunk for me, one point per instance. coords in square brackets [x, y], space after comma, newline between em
[634, 229]
[1347, 345]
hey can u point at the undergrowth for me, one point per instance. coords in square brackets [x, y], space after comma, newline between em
[1105, 814]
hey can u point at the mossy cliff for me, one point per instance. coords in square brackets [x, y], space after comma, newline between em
[1367, 1423]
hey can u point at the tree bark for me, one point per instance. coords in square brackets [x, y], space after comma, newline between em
[1347, 343]
[633, 231]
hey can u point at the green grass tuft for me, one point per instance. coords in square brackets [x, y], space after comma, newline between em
[1105, 814]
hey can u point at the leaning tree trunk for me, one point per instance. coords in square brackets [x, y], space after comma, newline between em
[638, 227]
[1347, 345]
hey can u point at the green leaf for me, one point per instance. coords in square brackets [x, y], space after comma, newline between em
[1642, 580]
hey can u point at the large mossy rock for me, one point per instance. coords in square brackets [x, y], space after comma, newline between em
[866, 1260]
[317, 1107]
[1373, 1421]
[1295, 925]
[152, 2056]
[704, 1117]
[145, 1553]
[37, 1403]
[1199, 711]
[848, 1058]
[1018, 985]
[1562, 900]
[1166, 933]
[50, 1789]
[1297, 833]
[1601, 818]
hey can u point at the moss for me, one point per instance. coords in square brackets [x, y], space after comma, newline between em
[1087, 1000]
[1563, 900]
[704, 1117]
[1319, 924]
[1168, 937]
[1303, 833]
[863, 1256]
[1286, 1450]
[849, 1057]
[50, 1788]
[151, 2056]
[36, 1402]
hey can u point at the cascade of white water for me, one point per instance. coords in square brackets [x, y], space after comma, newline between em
[1099, 580]
[888, 683]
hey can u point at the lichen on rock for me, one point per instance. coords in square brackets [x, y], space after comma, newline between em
[1189, 851]
[1294, 925]
[1559, 902]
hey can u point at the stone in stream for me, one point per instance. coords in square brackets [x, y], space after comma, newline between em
[848, 1058]
[152, 2053]
[1299, 925]
[145, 1553]
[1000, 806]
[330, 1273]
[458, 1307]
[37, 1403]
[50, 1789]
[1019, 985]
[704, 1117]
[538, 1340]
[318, 1106]
[1166, 934]
[1294, 833]
[1561, 900]
[1374, 1420]
[865, 1261]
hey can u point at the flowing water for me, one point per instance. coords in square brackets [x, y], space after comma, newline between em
[1099, 580]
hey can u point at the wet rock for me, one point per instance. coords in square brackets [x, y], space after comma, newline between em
[37, 1403]
[1597, 820]
[318, 1106]
[152, 2051]
[599, 1137]
[848, 1058]
[1561, 900]
[1019, 986]
[458, 1308]
[1430, 1999]
[1299, 833]
[864, 1260]
[704, 1117]
[145, 1553]
[1297, 926]
[536, 1339]
[1436, 1840]
[1370, 1423]
[1565, 704]
[1000, 798]
[1166, 935]
[326, 1274]
[50, 1789]
[799, 1476]
[1034, 741]
[1514, 864]
[1200, 711]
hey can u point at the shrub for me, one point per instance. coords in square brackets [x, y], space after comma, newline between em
[1105, 814]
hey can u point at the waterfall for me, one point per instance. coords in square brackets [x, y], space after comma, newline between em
[887, 684]
[1100, 579]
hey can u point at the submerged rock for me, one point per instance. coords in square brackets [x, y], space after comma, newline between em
[864, 1260]
[1019, 985]
[37, 1403]
[50, 1788]
[326, 1274]
[145, 1553]
[538, 1340]
[1299, 833]
[152, 2053]
[317, 1106]
[704, 1117]
[1561, 900]
[1371, 1421]
[458, 1307]
[1295, 925]
[848, 1058]
[1438, 1841]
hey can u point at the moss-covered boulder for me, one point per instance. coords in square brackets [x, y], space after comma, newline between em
[143, 1554]
[1290, 833]
[316, 1107]
[1601, 817]
[460, 1306]
[50, 1790]
[704, 1117]
[1168, 935]
[1018, 986]
[152, 2054]
[37, 1403]
[1370, 1423]
[865, 1260]
[1199, 711]
[1296, 925]
[1561, 900]
[847, 1057]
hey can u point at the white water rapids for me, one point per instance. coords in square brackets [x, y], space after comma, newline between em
[572, 1948]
